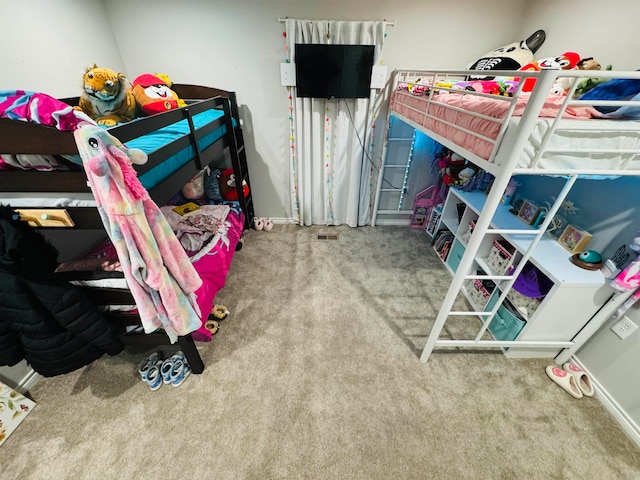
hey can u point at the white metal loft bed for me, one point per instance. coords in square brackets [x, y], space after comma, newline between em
[517, 135]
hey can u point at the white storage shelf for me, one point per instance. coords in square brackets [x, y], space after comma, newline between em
[550, 256]
[576, 294]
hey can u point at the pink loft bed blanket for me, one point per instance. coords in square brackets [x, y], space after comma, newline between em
[414, 107]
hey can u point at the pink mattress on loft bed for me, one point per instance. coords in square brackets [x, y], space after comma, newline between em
[580, 130]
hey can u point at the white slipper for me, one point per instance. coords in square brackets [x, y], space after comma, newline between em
[565, 380]
[582, 379]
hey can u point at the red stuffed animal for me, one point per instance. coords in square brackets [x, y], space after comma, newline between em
[454, 169]
[566, 61]
[228, 185]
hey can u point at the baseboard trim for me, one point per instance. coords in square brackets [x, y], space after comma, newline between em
[626, 422]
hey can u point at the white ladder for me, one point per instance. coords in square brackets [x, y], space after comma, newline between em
[481, 229]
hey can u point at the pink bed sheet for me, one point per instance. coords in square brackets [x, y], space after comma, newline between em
[414, 107]
[213, 268]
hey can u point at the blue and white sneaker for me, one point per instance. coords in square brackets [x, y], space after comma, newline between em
[147, 363]
[154, 379]
[179, 372]
[167, 366]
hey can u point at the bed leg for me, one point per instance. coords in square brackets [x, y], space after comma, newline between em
[188, 346]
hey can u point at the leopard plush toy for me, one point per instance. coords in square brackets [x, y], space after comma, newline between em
[106, 96]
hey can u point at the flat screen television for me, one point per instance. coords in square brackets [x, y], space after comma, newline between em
[333, 71]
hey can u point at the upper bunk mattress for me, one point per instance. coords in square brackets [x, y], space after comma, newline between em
[43, 109]
[580, 140]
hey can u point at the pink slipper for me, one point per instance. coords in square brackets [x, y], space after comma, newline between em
[582, 379]
[267, 224]
[565, 380]
[258, 223]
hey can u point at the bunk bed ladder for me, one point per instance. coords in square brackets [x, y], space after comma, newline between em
[462, 275]
[385, 193]
[239, 159]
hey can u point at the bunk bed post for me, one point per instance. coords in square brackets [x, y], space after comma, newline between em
[188, 346]
[538, 97]
[192, 133]
[238, 160]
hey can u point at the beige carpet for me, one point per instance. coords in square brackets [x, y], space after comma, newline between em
[315, 375]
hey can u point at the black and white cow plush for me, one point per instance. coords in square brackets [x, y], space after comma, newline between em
[512, 56]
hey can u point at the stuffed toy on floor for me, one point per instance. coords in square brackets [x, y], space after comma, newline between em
[106, 96]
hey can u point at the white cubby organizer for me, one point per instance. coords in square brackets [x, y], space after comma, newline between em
[575, 296]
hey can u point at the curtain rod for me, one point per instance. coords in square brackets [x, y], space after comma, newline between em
[389, 23]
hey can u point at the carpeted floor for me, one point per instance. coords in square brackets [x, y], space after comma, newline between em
[315, 375]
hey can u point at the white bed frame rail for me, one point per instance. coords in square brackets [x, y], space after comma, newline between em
[433, 79]
[503, 173]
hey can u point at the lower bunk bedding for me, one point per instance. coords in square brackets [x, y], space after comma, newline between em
[563, 136]
[210, 236]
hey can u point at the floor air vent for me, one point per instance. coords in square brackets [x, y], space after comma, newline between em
[327, 237]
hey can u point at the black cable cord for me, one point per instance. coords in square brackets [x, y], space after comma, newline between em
[364, 150]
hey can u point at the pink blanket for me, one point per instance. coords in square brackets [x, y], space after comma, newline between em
[212, 267]
[414, 108]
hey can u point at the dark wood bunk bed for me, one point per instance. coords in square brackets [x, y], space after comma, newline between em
[18, 137]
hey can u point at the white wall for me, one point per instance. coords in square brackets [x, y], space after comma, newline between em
[614, 363]
[238, 45]
[605, 30]
[47, 45]
[608, 32]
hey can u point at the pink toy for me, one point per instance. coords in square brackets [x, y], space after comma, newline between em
[425, 201]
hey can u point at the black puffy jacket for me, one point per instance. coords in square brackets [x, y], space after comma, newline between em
[49, 323]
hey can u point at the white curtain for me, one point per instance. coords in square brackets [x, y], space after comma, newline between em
[330, 164]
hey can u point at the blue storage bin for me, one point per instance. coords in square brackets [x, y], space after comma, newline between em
[457, 251]
[506, 325]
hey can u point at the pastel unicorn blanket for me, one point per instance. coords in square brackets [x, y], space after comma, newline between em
[160, 276]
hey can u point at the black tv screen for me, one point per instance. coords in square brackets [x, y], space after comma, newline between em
[333, 71]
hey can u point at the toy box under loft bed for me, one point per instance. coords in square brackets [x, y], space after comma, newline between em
[179, 143]
[525, 133]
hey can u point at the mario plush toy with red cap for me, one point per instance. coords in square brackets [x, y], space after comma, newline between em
[153, 94]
